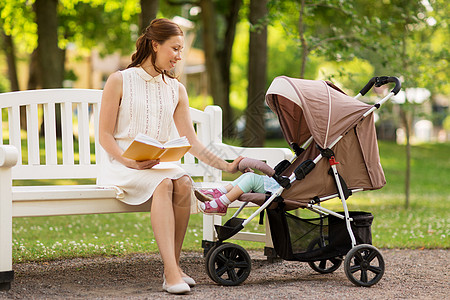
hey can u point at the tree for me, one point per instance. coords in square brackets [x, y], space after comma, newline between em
[218, 52]
[50, 56]
[18, 34]
[149, 9]
[308, 22]
[409, 32]
[8, 48]
[254, 134]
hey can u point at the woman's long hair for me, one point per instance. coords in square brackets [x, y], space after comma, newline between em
[159, 30]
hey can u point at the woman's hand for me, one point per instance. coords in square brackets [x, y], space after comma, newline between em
[141, 165]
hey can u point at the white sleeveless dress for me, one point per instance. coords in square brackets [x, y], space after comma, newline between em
[147, 106]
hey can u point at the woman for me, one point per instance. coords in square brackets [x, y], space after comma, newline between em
[145, 98]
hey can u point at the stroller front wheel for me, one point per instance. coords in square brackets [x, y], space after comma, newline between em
[229, 264]
[364, 265]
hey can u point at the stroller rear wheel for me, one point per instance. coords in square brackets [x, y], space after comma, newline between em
[364, 265]
[228, 264]
[323, 266]
[207, 257]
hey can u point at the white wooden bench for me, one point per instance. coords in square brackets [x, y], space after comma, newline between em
[20, 159]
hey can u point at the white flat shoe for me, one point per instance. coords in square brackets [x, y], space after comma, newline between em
[179, 288]
[191, 282]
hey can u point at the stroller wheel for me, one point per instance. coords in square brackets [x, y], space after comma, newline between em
[208, 256]
[228, 264]
[364, 265]
[323, 266]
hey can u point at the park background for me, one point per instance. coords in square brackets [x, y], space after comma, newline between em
[234, 49]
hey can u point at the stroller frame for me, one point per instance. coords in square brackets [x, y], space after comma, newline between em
[235, 224]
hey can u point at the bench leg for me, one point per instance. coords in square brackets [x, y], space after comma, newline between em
[6, 272]
[209, 232]
[269, 250]
[5, 280]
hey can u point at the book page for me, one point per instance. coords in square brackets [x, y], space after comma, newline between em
[144, 147]
[178, 142]
[142, 138]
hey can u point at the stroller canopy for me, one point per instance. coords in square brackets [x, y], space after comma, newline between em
[326, 110]
[316, 108]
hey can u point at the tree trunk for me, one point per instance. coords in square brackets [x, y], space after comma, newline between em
[232, 18]
[406, 120]
[216, 82]
[33, 72]
[8, 47]
[408, 124]
[301, 33]
[254, 134]
[149, 9]
[50, 56]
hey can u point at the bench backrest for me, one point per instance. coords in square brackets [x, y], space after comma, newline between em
[81, 151]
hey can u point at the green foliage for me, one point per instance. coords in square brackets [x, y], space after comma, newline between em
[284, 56]
[238, 70]
[351, 76]
[4, 84]
[106, 26]
[17, 19]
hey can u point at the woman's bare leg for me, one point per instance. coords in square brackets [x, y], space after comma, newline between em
[182, 189]
[163, 224]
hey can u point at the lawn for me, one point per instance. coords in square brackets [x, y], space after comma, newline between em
[425, 224]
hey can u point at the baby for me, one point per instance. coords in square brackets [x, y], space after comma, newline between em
[216, 201]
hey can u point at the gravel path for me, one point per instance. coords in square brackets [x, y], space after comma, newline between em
[410, 274]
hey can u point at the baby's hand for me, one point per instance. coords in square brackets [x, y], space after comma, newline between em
[248, 170]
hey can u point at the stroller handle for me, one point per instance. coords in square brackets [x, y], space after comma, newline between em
[379, 81]
[251, 163]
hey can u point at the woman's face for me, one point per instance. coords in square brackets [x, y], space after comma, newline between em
[169, 52]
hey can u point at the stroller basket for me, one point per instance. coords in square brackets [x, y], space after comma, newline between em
[315, 239]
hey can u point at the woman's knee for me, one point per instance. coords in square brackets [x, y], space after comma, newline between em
[183, 183]
[182, 191]
[165, 186]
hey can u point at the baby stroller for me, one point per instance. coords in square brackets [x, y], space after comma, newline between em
[336, 154]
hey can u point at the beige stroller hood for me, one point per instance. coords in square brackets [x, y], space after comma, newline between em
[308, 108]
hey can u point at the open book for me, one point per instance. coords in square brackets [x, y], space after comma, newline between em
[144, 147]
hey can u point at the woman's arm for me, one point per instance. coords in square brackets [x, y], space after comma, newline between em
[112, 95]
[183, 122]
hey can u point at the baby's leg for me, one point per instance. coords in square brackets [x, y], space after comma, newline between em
[245, 183]
[250, 182]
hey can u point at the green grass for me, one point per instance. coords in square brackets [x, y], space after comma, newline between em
[425, 224]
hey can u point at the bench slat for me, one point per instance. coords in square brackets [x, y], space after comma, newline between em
[62, 207]
[70, 192]
[67, 133]
[51, 157]
[83, 133]
[33, 134]
[1, 126]
[54, 172]
[14, 129]
[96, 109]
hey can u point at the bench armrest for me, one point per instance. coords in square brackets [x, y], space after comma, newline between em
[272, 156]
[8, 156]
